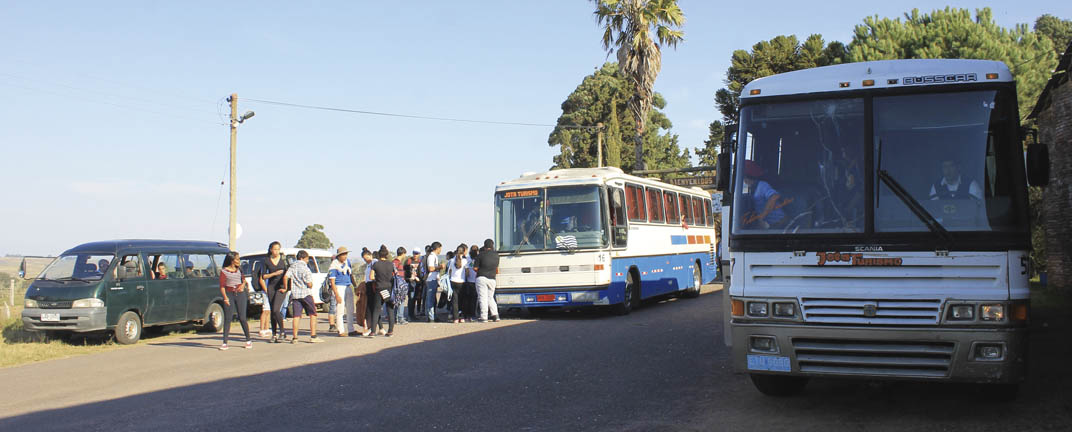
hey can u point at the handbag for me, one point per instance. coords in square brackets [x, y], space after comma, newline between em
[386, 294]
[257, 298]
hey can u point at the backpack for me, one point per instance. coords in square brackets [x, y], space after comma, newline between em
[325, 290]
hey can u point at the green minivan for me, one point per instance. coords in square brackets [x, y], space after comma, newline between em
[124, 286]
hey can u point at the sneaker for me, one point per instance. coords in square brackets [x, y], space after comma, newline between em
[354, 333]
[293, 340]
[315, 339]
[495, 318]
[366, 333]
[224, 347]
[249, 344]
[388, 335]
[332, 329]
[481, 320]
[382, 332]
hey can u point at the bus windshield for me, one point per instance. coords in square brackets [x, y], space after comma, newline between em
[800, 168]
[947, 152]
[567, 217]
[85, 266]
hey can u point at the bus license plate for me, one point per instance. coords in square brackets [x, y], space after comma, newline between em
[768, 363]
[50, 317]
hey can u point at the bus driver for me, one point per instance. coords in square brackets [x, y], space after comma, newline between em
[764, 197]
[953, 186]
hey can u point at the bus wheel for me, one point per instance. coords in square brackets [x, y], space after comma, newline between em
[128, 329]
[777, 385]
[631, 296]
[697, 279]
[213, 318]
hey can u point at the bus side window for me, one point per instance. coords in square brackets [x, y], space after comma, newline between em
[707, 212]
[697, 210]
[671, 207]
[686, 208]
[634, 203]
[619, 229]
[655, 205]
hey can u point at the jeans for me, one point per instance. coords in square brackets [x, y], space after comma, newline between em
[458, 297]
[485, 298]
[413, 304]
[430, 289]
[392, 317]
[238, 301]
[345, 312]
[332, 304]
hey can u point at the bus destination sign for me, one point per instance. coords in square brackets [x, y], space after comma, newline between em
[522, 193]
[693, 181]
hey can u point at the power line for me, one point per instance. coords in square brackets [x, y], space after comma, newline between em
[412, 116]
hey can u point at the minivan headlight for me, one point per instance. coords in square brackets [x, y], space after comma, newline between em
[29, 303]
[88, 303]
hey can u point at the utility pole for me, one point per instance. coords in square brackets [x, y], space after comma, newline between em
[599, 144]
[232, 233]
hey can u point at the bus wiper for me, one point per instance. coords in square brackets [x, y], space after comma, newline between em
[42, 278]
[72, 278]
[525, 239]
[916, 208]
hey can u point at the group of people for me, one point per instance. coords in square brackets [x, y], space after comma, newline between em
[402, 288]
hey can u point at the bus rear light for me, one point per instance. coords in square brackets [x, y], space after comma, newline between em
[545, 298]
[737, 308]
[597, 267]
[869, 83]
[991, 76]
[843, 84]
[753, 92]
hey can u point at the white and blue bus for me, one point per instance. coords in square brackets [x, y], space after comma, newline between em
[597, 236]
[877, 225]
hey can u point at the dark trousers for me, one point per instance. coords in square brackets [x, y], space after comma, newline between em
[276, 298]
[239, 300]
[469, 304]
[457, 299]
[373, 307]
[392, 317]
[414, 303]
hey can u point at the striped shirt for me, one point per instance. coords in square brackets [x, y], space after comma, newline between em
[231, 280]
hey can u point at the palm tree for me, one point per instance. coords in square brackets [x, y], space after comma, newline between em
[629, 27]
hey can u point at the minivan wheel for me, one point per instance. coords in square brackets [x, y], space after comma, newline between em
[128, 329]
[213, 318]
[777, 385]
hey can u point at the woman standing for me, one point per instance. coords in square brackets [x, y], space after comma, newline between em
[382, 275]
[233, 288]
[401, 286]
[457, 281]
[470, 283]
[272, 278]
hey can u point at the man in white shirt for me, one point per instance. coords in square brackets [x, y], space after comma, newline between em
[431, 284]
[954, 186]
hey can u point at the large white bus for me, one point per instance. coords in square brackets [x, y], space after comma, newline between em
[598, 236]
[878, 226]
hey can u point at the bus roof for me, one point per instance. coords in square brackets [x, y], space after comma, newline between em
[111, 246]
[581, 176]
[884, 73]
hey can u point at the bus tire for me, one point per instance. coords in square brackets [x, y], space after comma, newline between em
[128, 328]
[631, 297]
[697, 280]
[213, 319]
[778, 385]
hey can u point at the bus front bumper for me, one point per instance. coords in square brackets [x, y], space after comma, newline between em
[981, 355]
[554, 296]
[74, 319]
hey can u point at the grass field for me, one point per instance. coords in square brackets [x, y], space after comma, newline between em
[18, 346]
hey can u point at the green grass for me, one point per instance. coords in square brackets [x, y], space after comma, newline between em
[19, 346]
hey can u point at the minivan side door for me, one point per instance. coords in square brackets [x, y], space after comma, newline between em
[202, 281]
[166, 296]
[126, 289]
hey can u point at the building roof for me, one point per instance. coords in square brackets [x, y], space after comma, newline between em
[885, 73]
[1060, 76]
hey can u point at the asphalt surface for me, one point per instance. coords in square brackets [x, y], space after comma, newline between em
[661, 368]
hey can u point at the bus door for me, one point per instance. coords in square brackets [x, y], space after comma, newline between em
[619, 228]
[166, 293]
[127, 290]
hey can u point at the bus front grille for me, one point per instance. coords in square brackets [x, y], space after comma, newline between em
[868, 357]
[63, 304]
[871, 312]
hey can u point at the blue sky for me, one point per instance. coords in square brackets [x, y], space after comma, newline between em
[111, 114]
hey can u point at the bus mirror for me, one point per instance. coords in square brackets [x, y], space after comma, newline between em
[1038, 165]
[722, 172]
[22, 269]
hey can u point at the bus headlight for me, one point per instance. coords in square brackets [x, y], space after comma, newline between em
[88, 303]
[961, 312]
[757, 309]
[29, 303]
[785, 310]
[992, 312]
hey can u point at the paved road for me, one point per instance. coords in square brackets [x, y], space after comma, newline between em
[661, 368]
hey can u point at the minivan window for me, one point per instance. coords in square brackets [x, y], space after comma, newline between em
[324, 263]
[77, 266]
[129, 268]
[199, 266]
[171, 263]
